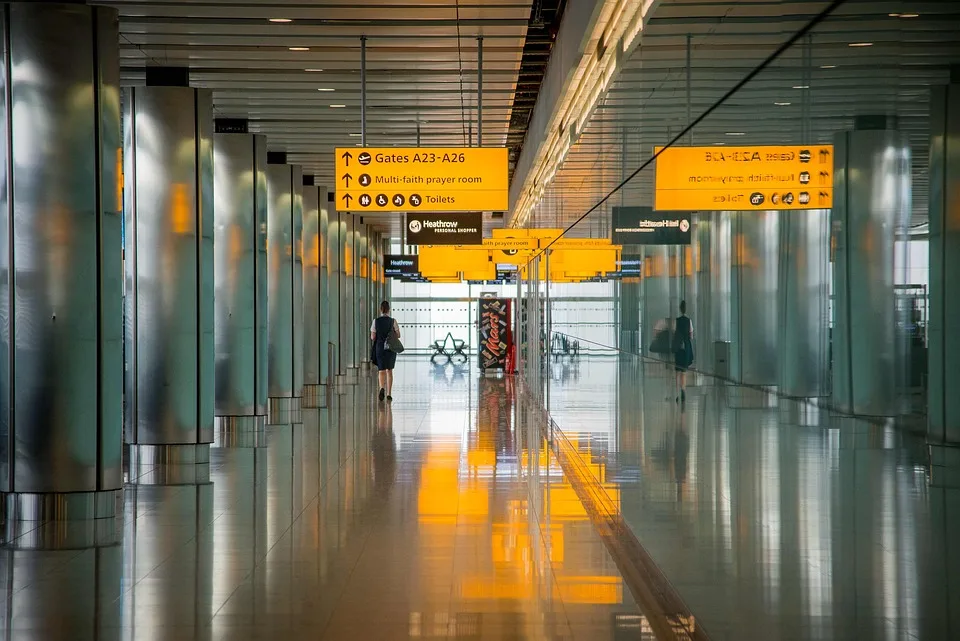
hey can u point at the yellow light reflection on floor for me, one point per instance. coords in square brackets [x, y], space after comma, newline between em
[589, 589]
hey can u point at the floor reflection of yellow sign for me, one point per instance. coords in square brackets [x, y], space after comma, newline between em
[435, 179]
[744, 178]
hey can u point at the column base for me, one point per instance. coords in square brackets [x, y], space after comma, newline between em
[945, 466]
[239, 431]
[172, 464]
[742, 397]
[61, 506]
[804, 412]
[314, 395]
[282, 410]
[349, 377]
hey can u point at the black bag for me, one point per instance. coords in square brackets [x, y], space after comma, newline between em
[661, 342]
[393, 343]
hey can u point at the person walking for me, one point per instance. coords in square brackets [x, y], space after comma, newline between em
[682, 350]
[386, 359]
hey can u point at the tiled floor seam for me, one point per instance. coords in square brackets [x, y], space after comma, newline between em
[663, 606]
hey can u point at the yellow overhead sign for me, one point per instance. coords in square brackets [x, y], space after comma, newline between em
[744, 178]
[435, 179]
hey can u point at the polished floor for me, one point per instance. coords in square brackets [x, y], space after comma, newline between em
[441, 516]
[770, 520]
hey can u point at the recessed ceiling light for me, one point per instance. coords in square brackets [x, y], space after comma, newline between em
[355, 135]
[783, 104]
[280, 20]
[828, 66]
[909, 15]
[299, 48]
[860, 44]
[325, 89]
[736, 133]
[314, 70]
[801, 86]
[337, 106]
[719, 143]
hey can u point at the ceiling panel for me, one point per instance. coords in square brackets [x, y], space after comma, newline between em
[813, 90]
[421, 67]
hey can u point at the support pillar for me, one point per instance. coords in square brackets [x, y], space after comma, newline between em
[61, 291]
[872, 200]
[803, 303]
[335, 243]
[240, 283]
[348, 287]
[944, 328]
[703, 351]
[721, 255]
[753, 308]
[168, 170]
[284, 289]
[657, 306]
[314, 309]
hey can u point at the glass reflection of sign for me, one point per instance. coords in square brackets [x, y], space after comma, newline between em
[629, 266]
[643, 226]
[744, 178]
[494, 328]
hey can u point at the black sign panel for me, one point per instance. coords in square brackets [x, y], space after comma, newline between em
[629, 266]
[445, 229]
[643, 226]
[494, 329]
[396, 265]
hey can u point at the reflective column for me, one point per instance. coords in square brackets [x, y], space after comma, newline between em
[61, 286]
[944, 327]
[284, 289]
[872, 197]
[753, 297]
[332, 303]
[240, 281]
[359, 294]
[657, 303]
[324, 284]
[347, 287]
[703, 328]
[168, 191]
[314, 352]
[720, 298]
[803, 302]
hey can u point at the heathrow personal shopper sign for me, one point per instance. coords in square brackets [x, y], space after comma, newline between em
[642, 226]
[440, 229]
[438, 179]
[722, 178]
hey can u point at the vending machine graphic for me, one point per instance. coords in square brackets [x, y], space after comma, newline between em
[495, 332]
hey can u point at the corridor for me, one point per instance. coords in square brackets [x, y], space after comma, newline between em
[441, 516]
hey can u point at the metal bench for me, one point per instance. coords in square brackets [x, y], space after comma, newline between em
[449, 350]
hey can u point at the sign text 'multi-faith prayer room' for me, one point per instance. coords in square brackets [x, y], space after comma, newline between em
[434, 179]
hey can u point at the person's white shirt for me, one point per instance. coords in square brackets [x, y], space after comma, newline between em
[373, 328]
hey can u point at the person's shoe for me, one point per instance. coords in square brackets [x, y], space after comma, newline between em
[389, 398]
[683, 396]
[382, 393]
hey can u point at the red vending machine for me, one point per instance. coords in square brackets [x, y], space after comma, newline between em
[495, 336]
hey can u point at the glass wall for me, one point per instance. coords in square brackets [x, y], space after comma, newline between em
[809, 274]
